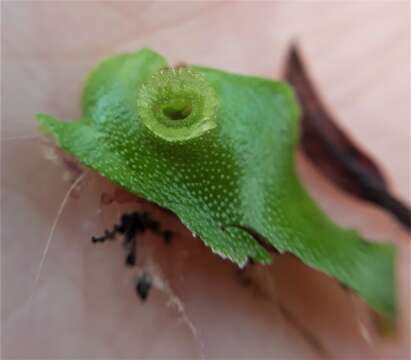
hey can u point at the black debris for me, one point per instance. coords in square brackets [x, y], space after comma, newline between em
[130, 226]
[144, 284]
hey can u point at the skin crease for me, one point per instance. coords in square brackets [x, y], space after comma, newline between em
[84, 304]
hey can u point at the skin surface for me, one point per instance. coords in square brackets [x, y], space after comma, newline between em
[84, 305]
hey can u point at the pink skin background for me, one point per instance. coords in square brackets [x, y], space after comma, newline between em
[84, 304]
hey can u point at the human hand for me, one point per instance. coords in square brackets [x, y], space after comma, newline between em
[84, 303]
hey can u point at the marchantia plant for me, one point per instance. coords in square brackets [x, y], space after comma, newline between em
[217, 149]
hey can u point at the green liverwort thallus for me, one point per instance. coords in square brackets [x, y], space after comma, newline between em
[217, 149]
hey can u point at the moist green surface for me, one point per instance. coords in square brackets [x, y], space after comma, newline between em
[226, 175]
